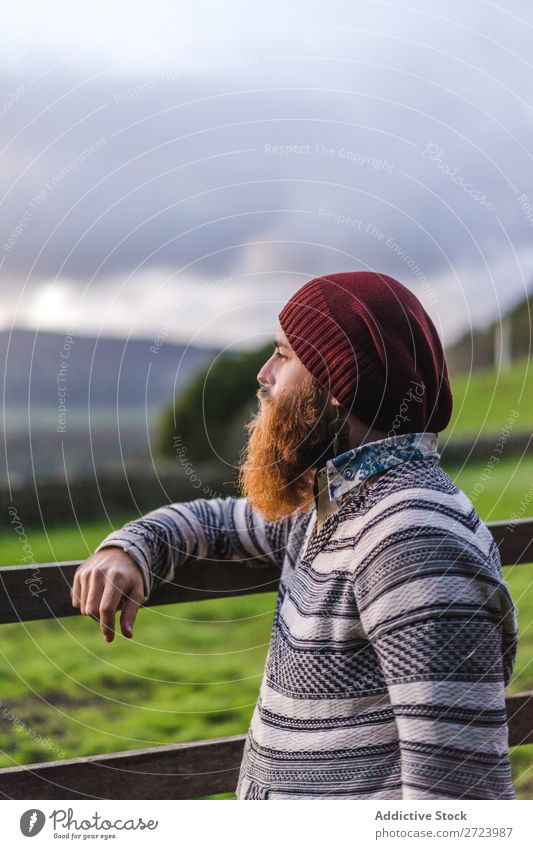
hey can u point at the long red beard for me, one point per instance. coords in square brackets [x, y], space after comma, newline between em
[289, 438]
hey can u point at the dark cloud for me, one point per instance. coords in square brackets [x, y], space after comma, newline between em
[398, 145]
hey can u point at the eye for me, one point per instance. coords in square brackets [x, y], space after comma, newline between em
[282, 356]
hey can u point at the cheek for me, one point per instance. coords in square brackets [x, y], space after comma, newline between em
[290, 375]
[298, 372]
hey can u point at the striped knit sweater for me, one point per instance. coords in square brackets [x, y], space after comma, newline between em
[393, 637]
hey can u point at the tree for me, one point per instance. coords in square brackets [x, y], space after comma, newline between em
[207, 419]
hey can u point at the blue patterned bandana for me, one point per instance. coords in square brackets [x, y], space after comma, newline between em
[346, 472]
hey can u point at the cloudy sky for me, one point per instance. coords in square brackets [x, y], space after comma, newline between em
[181, 169]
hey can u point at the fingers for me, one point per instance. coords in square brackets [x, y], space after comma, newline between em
[130, 606]
[106, 583]
[92, 587]
[108, 603]
[85, 581]
[80, 587]
[76, 589]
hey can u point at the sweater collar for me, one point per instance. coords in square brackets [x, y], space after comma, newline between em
[349, 470]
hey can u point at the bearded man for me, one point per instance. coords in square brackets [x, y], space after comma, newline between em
[394, 635]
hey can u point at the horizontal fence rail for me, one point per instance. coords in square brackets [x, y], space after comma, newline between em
[177, 771]
[183, 770]
[42, 591]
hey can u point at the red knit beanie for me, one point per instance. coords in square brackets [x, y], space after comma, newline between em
[367, 339]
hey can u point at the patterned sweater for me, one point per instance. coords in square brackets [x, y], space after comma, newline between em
[393, 638]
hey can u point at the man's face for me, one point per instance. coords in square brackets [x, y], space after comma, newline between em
[289, 437]
[283, 371]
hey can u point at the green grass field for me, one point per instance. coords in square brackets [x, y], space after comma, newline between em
[193, 670]
[485, 400]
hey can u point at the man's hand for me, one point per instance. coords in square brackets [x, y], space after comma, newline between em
[108, 580]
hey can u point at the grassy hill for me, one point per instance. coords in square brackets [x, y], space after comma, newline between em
[476, 348]
[485, 401]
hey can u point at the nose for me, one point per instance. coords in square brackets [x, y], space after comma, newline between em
[264, 379]
[262, 376]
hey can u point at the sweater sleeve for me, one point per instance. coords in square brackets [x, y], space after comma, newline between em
[220, 528]
[444, 628]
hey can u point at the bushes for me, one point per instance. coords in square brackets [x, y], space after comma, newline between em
[206, 422]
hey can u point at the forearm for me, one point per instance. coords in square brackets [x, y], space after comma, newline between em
[224, 529]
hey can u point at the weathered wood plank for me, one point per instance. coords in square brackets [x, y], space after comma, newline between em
[180, 771]
[520, 718]
[42, 591]
[514, 538]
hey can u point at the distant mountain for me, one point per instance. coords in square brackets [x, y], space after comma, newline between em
[41, 366]
[113, 389]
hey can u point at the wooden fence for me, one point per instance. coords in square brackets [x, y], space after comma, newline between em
[182, 770]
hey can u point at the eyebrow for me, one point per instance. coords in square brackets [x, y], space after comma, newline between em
[279, 344]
